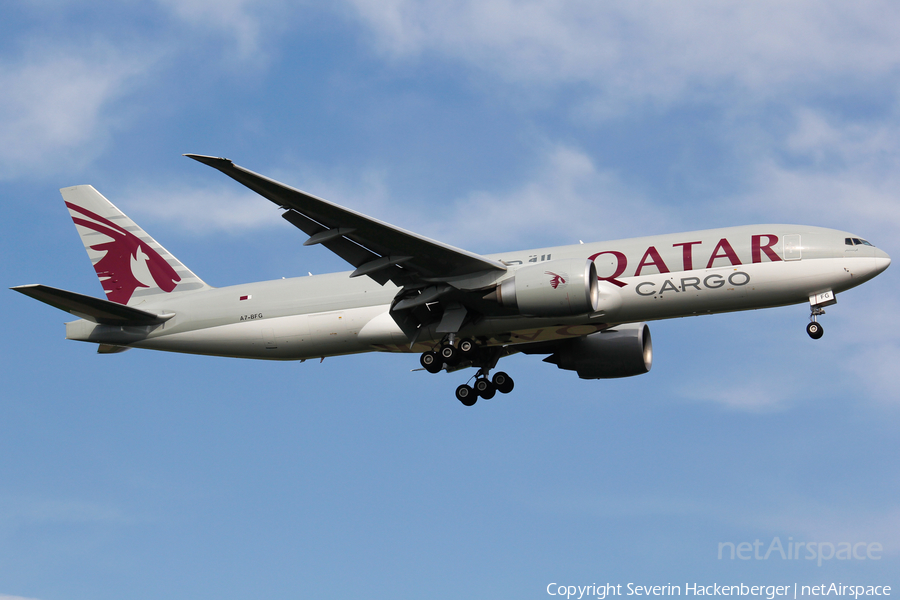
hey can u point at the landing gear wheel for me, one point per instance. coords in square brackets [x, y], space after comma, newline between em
[449, 354]
[503, 382]
[431, 361]
[466, 395]
[815, 330]
[484, 388]
[466, 348]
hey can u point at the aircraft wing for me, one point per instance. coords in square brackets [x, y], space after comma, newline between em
[377, 249]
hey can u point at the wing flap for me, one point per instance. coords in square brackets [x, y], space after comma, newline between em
[346, 248]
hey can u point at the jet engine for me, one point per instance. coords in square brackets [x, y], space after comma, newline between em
[622, 351]
[555, 288]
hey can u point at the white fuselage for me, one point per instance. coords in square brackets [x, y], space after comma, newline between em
[641, 279]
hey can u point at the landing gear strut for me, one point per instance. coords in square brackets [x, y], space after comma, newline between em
[817, 304]
[453, 351]
[814, 329]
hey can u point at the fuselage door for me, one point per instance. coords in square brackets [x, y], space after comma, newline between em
[792, 247]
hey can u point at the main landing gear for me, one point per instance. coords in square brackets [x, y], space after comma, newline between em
[448, 353]
[452, 352]
[484, 387]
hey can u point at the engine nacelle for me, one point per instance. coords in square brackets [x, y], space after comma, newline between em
[622, 351]
[555, 288]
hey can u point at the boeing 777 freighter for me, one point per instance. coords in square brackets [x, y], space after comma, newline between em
[585, 306]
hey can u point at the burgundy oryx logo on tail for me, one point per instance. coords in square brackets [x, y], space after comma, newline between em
[556, 280]
[124, 255]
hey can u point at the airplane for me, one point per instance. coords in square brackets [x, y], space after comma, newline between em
[584, 306]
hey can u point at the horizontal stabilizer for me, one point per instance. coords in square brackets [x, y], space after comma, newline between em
[90, 308]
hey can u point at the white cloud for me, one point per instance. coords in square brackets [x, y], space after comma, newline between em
[364, 191]
[753, 396]
[246, 22]
[568, 198]
[652, 49]
[870, 351]
[829, 169]
[875, 368]
[53, 108]
[201, 210]
[856, 196]
[65, 96]
[232, 208]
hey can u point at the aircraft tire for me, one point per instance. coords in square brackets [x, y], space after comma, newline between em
[484, 388]
[503, 382]
[431, 361]
[466, 348]
[815, 330]
[466, 395]
[449, 354]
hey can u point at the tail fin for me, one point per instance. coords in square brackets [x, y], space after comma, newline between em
[131, 265]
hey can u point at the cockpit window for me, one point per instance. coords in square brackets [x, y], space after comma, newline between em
[856, 242]
[848, 241]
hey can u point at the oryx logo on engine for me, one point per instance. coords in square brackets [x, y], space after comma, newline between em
[556, 280]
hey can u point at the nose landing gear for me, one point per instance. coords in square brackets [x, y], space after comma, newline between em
[817, 304]
[814, 329]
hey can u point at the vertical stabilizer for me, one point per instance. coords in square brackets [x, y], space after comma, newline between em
[131, 265]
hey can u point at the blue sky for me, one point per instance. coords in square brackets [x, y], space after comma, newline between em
[489, 125]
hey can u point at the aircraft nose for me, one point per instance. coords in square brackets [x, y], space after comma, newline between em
[882, 260]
